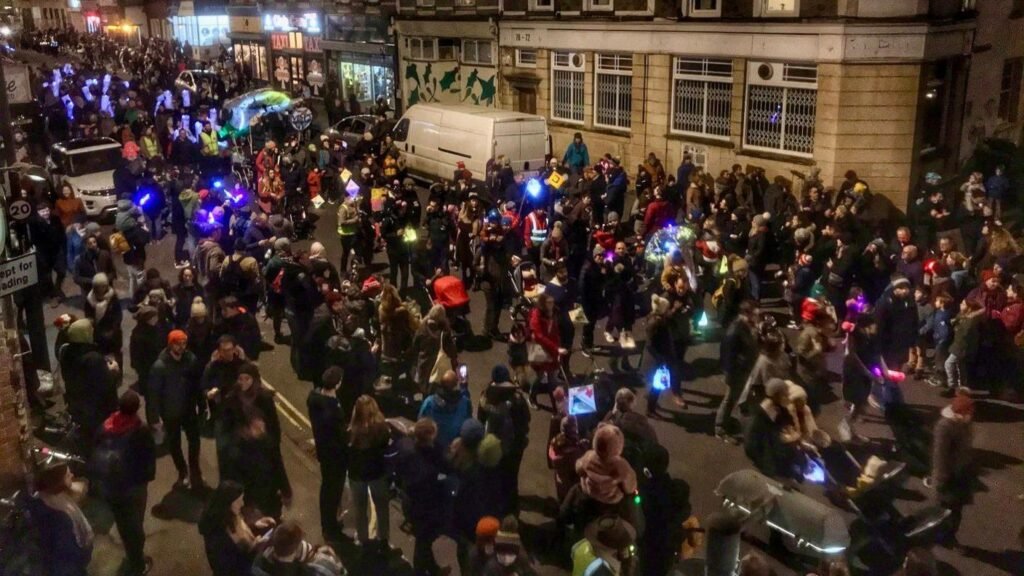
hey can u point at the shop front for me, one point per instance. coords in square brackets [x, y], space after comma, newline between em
[251, 54]
[360, 59]
[295, 54]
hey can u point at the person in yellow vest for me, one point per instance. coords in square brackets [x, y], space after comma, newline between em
[209, 148]
[391, 165]
[150, 146]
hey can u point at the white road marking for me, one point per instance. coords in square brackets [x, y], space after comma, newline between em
[288, 409]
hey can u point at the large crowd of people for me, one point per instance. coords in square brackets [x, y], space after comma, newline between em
[655, 261]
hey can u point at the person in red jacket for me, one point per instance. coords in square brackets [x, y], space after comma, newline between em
[1012, 315]
[545, 351]
[313, 180]
[659, 214]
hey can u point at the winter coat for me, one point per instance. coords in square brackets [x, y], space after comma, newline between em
[145, 345]
[329, 423]
[738, 352]
[308, 561]
[951, 455]
[90, 389]
[61, 553]
[897, 322]
[106, 327]
[140, 450]
[448, 411]
[544, 332]
[174, 390]
[226, 558]
[764, 444]
[576, 155]
[607, 477]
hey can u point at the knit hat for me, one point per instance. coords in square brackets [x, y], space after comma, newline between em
[198, 308]
[500, 374]
[487, 526]
[471, 433]
[508, 534]
[987, 274]
[251, 369]
[962, 405]
[900, 282]
[92, 228]
[598, 250]
[774, 387]
[100, 279]
[80, 332]
[488, 453]
[609, 533]
[177, 337]
[146, 313]
[612, 217]
[282, 245]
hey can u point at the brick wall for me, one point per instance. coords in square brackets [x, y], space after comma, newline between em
[13, 417]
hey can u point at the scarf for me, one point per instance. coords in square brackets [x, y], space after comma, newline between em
[63, 502]
[100, 305]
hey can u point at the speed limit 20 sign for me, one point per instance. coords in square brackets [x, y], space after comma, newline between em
[19, 210]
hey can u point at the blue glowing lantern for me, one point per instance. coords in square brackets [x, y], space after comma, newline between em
[534, 188]
[660, 380]
[703, 322]
[144, 200]
[814, 472]
[218, 183]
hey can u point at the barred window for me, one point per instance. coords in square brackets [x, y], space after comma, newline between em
[613, 101]
[702, 97]
[781, 109]
[567, 86]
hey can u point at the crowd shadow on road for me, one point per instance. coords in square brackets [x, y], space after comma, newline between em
[997, 412]
[1009, 561]
[181, 504]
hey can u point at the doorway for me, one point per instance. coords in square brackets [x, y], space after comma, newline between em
[525, 99]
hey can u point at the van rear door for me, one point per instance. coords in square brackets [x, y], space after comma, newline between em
[421, 144]
[533, 145]
[507, 142]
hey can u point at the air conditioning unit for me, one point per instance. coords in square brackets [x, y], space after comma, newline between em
[782, 74]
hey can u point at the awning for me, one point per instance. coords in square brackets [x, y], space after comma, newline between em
[358, 47]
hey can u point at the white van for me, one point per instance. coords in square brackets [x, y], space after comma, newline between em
[433, 138]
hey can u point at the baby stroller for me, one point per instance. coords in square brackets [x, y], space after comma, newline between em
[450, 292]
[526, 286]
[303, 222]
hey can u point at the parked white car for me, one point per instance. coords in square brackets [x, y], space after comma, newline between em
[88, 165]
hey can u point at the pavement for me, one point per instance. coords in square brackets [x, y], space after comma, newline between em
[988, 534]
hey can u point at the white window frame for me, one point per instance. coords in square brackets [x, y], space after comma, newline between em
[613, 65]
[600, 5]
[542, 5]
[527, 63]
[425, 3]
[695, 12]
[422, 42]
[567, 67]
[788, 81]
[707, 76]
[768, 12]
[465, 3]
[470, 52]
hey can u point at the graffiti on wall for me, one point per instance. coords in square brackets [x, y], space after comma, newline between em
[449, 83]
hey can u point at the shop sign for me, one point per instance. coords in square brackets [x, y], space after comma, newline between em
[308, 22]
[18, 273]
[18, 89]
[311, 43]
[279, 41]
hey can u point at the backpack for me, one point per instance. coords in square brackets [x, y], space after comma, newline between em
[719, 296]
[119, 244]
[231, 276]
[500, 423]
[108, 465]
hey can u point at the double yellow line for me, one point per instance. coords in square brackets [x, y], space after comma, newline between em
[288, 410]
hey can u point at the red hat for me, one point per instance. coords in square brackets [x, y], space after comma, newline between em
[177, 336]
[488, 526]
[371, 286]
[987, 274]
[809, 309]
[962, 404]
[460, 165]
[332, 296]
[805, 259]
[203, 194]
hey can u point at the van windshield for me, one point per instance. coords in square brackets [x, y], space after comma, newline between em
[93, 161]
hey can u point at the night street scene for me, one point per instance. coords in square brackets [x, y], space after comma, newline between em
[512, 288]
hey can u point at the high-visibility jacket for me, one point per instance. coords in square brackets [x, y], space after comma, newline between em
[535, 229]
[390, 166]
[210, 147]
[150, 147]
